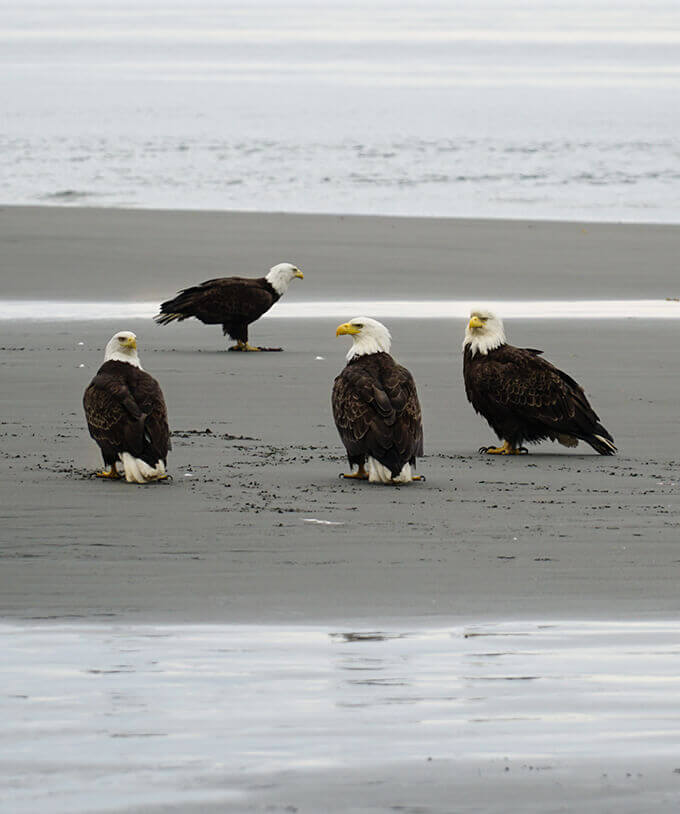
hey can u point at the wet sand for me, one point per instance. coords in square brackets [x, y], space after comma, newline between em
[256, 460]
[256, 528]
[233, 537]
[110, 254]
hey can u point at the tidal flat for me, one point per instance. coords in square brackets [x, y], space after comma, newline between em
[256, 539]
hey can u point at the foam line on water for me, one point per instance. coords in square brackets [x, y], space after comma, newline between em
[381, 309]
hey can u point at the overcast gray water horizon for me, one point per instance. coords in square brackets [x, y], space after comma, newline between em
[491, 108]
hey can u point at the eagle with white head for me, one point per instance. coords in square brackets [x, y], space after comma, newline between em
[376, 407]
[523, 397]
[126, 414]
[232, 302]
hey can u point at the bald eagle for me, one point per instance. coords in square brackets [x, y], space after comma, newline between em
[524, 398]
[376, 408]
[233, 302]
[126, 414]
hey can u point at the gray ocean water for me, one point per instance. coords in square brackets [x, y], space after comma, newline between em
[475, 108]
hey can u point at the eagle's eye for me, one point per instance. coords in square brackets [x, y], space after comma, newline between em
[121, 339]
[357, 325]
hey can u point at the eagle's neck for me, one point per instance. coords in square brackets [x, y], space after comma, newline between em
[279, 280]
[128, 358]
[483, 343]
[365, 345]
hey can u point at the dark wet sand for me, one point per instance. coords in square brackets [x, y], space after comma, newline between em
[51, 252]
[553, 534]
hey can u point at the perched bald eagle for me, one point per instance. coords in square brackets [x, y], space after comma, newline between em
[126, 414]
[376, 408]
[524, 398]
[233, 302]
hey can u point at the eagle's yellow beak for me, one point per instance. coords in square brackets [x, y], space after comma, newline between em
[475, 322]
[347, 328]
[131, 342]
[299, 274]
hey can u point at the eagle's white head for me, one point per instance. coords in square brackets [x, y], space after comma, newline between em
[122, 347]
[484, 332]
[279, 277]
[368, 336]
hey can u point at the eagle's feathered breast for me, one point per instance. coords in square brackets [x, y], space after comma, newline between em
[126, 412]
[377, 412]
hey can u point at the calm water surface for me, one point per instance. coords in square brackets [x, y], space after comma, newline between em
[96, 717]
[476, 108]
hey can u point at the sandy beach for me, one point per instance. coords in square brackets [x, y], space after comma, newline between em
[256, 456]
[255, 528]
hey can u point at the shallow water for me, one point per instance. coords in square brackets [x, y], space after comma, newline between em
[481, 107]
[96, 717]
[396, 309]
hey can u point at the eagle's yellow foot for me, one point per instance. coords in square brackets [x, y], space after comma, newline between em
[506, 449]
[360, 474]
[108, 473]
[243, 346]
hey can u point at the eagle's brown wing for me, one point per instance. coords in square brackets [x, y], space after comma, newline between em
[524, 382]
[219, 301]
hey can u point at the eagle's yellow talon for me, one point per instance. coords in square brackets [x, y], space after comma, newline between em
[243, 347]
[111, 474]
[360, 474]
[506, 449]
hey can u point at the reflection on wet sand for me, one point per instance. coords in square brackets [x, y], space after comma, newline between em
[211, 702]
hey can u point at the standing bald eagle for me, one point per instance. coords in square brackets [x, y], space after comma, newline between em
[376, 408]
[126, 414]
[233, 302]
[524, 398]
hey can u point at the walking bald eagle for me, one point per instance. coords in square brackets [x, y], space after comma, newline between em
[233, 302]
[376, 408]
[126, 414]
[524, 398]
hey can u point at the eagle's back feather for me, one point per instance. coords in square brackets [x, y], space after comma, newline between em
[233, 302]
[377, 412]
[126, 412]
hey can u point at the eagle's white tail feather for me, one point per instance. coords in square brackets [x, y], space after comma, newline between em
[139, 471]
[378, 473]
[606, 442]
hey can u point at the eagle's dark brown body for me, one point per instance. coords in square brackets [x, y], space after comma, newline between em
[377, 413]
[232, 302]
[525, 399]
[126, 412]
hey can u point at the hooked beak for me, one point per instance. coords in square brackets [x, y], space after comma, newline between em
[347, 328]
[475, 322]
[131, 342]
[298, 273]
